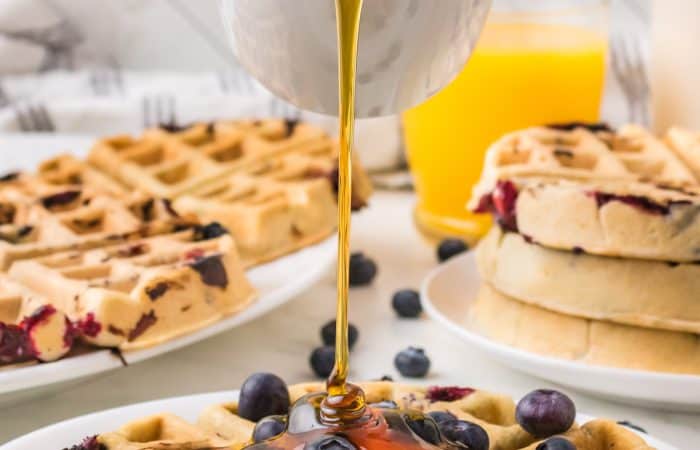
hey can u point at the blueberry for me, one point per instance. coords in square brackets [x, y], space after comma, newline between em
[322, 360]
[441, 416]
[331, 443]
[386, 378]
[406, 303]
[449, 248]
[362, 270]
[469, 434]
[424, 427]
[269, 427]
[328, 334]
[262, 395]
[210, 231]
[544, 413]
[412, 362]
[556, 443]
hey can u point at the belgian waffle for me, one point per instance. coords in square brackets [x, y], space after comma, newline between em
[31, 328]
[170, 163]
[276, 207]
[143, 292]
[614, 194]
[512, 322]
[219, 427]
[34, 224]
[637, 292]
[630, 154]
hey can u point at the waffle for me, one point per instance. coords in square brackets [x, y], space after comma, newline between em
[34, 224]
[615, 194]
[67, 170]
[631, 154]
[512, 322]
[30, 328]
[219, 427]
[170, 163]
[275, 208]
[143, 292]
[686, 144]
[633, 220]
[637, 292]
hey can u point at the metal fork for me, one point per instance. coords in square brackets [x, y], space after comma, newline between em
[34, 118]
[629, 68]
[159, 111]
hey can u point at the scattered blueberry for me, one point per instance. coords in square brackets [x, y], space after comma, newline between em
[469, 434]
[544, 413]
[441, 416]
[328, 334]
[406, 303]
[386, 378]
[262, 395]
[449, 248]
[362, 270]
[628, 424]
[425, 428]
[322, 360]
[412, 362]
[556, 443]
[331, 443]
[269, 427]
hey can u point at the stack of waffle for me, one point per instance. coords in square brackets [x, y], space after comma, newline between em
[594, 253]
[219, 426]
[149, 238]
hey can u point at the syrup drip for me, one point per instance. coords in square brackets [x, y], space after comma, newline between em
[340, 418]
[344, 402]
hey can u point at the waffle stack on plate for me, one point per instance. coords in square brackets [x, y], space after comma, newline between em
[148, 238]
[220, 427]
[594, 255]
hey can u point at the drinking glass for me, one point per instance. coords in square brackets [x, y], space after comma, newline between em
[535, 63]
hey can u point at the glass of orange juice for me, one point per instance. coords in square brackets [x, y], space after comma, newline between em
[535, 63]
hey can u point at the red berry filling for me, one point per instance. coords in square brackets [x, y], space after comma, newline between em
[447, 393]
[501, 203]
[89, 326]
[642, 203]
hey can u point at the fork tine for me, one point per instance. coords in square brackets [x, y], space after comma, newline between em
[146, 111]
[38, 118]
[23, 120]
[45, 118]
[172, 120]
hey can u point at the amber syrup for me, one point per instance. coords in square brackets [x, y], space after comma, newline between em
[341, 413]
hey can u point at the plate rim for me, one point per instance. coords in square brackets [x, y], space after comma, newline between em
[25, 379]
[216, 397]
[484, 342]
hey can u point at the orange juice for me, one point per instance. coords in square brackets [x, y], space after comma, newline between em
[521, 74]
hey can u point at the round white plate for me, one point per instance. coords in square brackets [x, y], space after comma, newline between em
[71, 432]
[277, 282]
[448, 292]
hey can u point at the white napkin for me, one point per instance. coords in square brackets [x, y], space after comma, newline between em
[102, 102]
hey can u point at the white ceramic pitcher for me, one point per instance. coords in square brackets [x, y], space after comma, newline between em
[408, 49]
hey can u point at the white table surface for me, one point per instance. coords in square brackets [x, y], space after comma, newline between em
[282, 341]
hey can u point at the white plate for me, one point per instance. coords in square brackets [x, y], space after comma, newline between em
[277, 282]
[71, 432]
[447, 294]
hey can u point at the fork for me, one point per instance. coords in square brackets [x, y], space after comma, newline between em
[159, 111]
[34, 118]
[628, 65]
